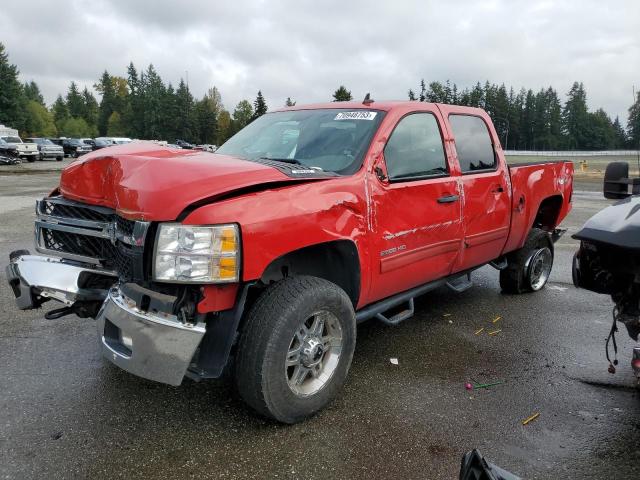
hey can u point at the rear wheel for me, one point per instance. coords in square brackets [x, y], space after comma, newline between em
[296, 348]
[31, 159]
[59, 159]
[528, 269]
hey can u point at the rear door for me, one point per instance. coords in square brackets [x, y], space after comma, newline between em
[485, 185]
[417, 226]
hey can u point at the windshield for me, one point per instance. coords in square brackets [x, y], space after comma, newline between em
[43, 141]
[12, 139]
[331, 139]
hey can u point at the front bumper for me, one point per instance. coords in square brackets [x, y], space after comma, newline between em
[35, 279]
[152, 344]
[155, 346]
[51, 153]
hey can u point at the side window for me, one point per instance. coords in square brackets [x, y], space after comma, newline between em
[415, 148]
[473, 143]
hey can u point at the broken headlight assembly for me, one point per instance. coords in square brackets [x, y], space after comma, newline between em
[197, 254]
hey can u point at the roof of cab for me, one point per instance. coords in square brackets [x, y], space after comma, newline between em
[385, 105]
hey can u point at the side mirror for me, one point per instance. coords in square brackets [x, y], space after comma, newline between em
[617, 183]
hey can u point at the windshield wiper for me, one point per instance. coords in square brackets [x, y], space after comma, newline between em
[283, 160]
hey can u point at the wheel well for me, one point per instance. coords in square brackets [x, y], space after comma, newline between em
[548, 213]
[335, 261]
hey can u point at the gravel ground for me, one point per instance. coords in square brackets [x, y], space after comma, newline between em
[66, 413]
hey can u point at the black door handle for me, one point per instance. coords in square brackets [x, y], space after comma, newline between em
[498, 189]
[449, 199]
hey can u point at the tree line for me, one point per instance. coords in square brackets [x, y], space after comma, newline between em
[528, 120]
[141, 105]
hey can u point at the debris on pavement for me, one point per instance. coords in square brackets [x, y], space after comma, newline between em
[476, 385]
[478, 332]
[394, 361]
[530, 419]
[498, 318]
[495, 332]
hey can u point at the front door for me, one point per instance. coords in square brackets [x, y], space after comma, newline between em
[417, 226]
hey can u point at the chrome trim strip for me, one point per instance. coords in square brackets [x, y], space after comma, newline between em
[70, 229]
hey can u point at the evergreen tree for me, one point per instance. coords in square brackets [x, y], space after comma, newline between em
[633, 124]
[289, 102]
[600, 131]
[32, 92]
[115, 127]
[619, 134]
[342, 95]
[133, 115]
[60, 113]
[158, 106]
[184, 109]
[90, 109]
[575, 118]
[75, 102]
[206, 121]
[259, 106]
[224, 127]
[108, 102]
[412, 96]
[11, 95]
[423, 91]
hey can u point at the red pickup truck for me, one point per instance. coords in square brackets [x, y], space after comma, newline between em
[261, 259]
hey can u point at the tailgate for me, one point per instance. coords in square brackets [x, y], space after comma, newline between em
[531, 185]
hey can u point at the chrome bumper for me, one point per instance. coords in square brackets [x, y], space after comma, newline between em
[35, 278]
[154, 346]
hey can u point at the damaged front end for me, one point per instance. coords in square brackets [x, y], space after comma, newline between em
[608, 261]
[94, 266]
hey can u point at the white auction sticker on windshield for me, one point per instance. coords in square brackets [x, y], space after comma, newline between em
[361, 115]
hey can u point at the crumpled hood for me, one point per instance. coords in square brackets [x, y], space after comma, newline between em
[145, 181]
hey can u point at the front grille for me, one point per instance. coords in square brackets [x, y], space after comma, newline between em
[91, 234]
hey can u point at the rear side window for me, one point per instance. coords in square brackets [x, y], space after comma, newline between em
[473, 143]
[415, 149]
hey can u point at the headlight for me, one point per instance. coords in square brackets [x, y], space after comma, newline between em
[190, 254]
[78, 149]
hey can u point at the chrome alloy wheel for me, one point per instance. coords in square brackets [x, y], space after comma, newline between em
[314, 353]
[539, 268]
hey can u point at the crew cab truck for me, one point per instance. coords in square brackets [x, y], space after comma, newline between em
[28, 151]
[261, 259]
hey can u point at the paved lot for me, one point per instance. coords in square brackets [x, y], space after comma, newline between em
[65, 413]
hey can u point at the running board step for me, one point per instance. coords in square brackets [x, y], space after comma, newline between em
[460, 284]
[398, 317]
[499, 263]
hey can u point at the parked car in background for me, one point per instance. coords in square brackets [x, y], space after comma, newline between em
[99, 143]
[8, 150]
[47, 148]
[73, 147]
[115, 140]
[185, 145]
[28, 151]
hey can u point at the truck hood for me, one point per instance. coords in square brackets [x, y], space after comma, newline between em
[144, 181]
[617, 225]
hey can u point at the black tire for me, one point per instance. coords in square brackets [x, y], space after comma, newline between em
[31, 159]
[515, 278]
[59, 159]
[273, 320]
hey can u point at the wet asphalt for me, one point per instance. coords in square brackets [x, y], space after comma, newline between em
[66, 413]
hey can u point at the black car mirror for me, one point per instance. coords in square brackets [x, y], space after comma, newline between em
[617, 184]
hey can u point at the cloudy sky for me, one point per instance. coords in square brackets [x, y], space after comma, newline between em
[305, 49]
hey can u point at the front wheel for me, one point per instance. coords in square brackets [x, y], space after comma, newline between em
[529, 268]
[296, 348]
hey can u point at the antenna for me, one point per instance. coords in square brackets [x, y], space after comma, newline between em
[367, 99]
[633, 87]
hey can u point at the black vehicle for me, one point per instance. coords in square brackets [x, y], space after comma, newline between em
[184, 145]
[608, 260]
[73, 147]
[8, 150]
[99, 143]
